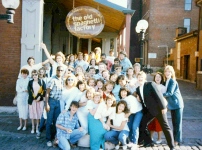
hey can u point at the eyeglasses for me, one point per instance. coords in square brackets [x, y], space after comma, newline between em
[59, 70]
[34, 74]
[70, 70]
[70, 79]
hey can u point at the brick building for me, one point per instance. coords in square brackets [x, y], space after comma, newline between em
[163, 18]
[44, 20]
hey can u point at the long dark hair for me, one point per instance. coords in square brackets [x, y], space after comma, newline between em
[126, 110]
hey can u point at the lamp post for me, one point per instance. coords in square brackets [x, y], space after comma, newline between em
[10, 5]
[141, 28]
[165, 46]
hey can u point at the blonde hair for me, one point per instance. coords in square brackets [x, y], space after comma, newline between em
[142, 73]
[60, 54]
[71, 76]
[171, 69]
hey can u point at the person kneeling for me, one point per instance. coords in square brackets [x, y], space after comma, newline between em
[68, 129]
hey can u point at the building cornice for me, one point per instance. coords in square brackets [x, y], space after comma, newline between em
[185, 36]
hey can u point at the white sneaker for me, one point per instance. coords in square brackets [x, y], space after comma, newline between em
[125, 147]
[38, 135]
[19, 128]
[24, 128]
[32, 132]
[37, 131]
[49, 144]
[158, 142]
[117, 147]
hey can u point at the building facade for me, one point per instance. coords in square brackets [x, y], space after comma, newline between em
[39, 21]
[164, 18]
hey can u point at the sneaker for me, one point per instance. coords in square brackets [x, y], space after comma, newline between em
[49, 144]
[158, 142]
[117, 147]
[32, 131]
[38, 135]
[125, 147]
[24, 128]
[19, 128]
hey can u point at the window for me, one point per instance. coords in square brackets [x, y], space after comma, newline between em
[187, 4]
[187, 24]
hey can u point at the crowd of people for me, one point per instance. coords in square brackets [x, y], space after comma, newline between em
[92, 99]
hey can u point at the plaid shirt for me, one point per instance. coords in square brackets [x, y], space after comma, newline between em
[56, 86]
[64, 120]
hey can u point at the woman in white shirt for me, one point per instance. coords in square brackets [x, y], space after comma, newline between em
[119, 129]
[97, 122]
[135, 115]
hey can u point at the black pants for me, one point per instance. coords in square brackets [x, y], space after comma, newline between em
[163, 121]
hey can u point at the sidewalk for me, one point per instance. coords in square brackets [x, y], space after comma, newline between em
[12, 139]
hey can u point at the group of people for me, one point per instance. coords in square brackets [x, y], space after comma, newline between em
[98, 99]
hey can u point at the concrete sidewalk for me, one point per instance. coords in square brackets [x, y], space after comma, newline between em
[12, 139]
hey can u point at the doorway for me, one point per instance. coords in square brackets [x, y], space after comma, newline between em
[186, 66]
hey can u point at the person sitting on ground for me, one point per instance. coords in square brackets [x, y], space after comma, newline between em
[69, 132]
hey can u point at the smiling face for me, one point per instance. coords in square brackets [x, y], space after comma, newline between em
[122, 83]
[96, 99]
[141, 78]
[121, 108]
[124, 94]
[24, 75]
[109, 87]
[73, 109]
[30, 62]
[99, 84]
[158, 79]
[109, 102]
[168, 74]
[82, 87]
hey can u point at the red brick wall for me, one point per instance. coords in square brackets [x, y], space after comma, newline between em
[164, 17]
[10, 52]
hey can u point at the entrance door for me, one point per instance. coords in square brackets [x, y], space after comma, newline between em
[186, 66]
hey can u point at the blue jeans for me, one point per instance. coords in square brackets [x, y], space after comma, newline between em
[42, 124]
[177, 124]
[116, 136]
[133, 124]
[51, 118]
[74, 137]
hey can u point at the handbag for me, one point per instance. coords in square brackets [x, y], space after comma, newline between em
[15, 100]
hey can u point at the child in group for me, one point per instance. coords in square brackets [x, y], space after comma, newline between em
[119, 129]
[68, 129]
[82, 112]
[22, 98]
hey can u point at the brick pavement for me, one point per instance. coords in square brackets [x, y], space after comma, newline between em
[12, 139]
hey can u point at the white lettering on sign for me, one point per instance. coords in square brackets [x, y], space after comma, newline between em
[85, 22]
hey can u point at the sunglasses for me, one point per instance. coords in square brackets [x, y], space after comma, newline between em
[70, 70]
[59, 70]
[70, 79]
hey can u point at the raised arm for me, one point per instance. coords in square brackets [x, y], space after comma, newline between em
[43, 46]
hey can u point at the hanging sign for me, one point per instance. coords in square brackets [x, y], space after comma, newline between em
[85, 22]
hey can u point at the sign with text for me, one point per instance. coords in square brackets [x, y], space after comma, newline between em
[151, 55]
[85, 22]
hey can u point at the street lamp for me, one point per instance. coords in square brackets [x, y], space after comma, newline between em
[165, 46]
[10, 5]
[141, 28]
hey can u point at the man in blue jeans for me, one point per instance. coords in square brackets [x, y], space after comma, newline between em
[52, 104]
[68, 129]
